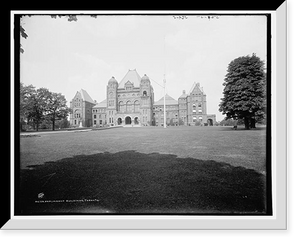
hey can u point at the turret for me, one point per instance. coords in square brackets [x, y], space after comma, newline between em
[111, 99]
[146, 93]
[145, 86]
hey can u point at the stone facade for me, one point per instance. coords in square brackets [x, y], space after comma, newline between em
[190, 109]
[171, 112]
[81, 109]
[130, 102]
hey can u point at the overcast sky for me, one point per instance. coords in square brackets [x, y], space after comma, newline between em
[66, 56]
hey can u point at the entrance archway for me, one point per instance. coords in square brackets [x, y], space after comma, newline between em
[119, 121]
[136, 120]
[128, 120]
[210, 122]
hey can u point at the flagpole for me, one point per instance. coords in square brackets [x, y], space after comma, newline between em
[165, 123]
[165, 118]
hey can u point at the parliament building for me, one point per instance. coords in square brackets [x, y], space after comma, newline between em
[130, 102]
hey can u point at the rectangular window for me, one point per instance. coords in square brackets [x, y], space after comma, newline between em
[100, 122]
[194, 118]
[75, 122]
[95, 116]
[95, 122]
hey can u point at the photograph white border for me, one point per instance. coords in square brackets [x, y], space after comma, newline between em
[279, 153]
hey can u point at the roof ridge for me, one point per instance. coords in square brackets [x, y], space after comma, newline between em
[169, 100]
[86, 97]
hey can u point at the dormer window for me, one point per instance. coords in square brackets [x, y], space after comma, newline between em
[128, 85]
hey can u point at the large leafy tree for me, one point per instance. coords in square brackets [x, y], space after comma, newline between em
[25, 93]
[245, 90]
[41, 105]
[57, 108]
[38, 106]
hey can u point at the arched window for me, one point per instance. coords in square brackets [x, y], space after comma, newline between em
[121, 106]
[128, 105]
[145, 93]
[136, 106]
[77, 113]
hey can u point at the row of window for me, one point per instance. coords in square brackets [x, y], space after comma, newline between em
[167, 114]
[95, 116]
[100, 110]
[95, 122]
[195, 118]
[199, 105]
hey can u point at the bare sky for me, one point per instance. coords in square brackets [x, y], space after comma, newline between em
[66, 56]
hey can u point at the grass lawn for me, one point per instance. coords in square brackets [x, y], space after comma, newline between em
[178, 170]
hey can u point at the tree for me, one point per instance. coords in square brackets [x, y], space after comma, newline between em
[42, 105]
[38, 100]
[56, 108]
[245, 90]
[26, 103]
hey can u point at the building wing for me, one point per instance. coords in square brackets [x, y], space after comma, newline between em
[169, 101]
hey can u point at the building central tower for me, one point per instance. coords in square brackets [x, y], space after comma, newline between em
[130, 102]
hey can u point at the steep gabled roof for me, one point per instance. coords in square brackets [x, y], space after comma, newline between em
[169, 101]
[86, 97]
[102, 104]
[196, 88]
[133, 77]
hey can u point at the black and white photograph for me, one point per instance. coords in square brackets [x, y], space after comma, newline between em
[143, 114]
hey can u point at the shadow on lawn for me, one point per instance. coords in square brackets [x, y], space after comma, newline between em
[135, 183]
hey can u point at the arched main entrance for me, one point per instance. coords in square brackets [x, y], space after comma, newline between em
[119, 121]
[210, 122]
[128, 120]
